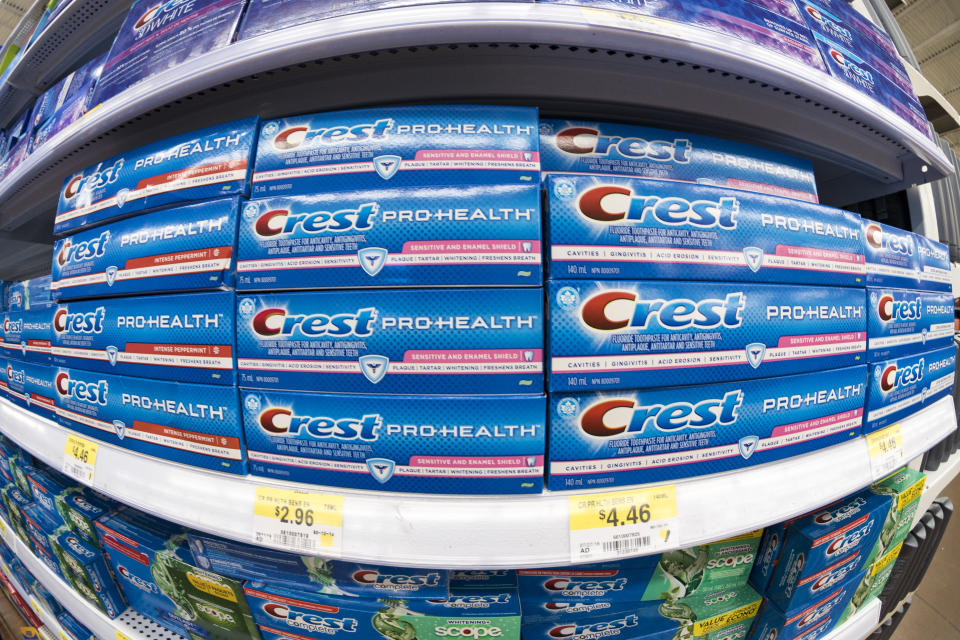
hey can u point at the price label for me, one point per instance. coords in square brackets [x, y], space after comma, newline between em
[623, 523]
[122, 636]
[80, 459]
[886, 451]
[298, 520]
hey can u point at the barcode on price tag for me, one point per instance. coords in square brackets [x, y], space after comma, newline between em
[299, 520]
[80, 459]
[886, 451]
[623, 523]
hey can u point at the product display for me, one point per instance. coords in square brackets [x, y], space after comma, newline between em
[901, 323]
[901, 387]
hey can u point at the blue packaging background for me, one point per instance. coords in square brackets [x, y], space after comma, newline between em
[801, 619]
[569, 336]
[364, 227]
[73, 629]
[228, 148]
[522, 445]
[641, 623]
[892, 256]
[935, 270]
[746, 434]
[515, 133]
[208, 323]
[16, 296]
[93, 563]
[901, 335]
[177, 238]
[665, 9]
[734, 222]
[27, 335]
[392, 343]
[117, 424]
[31, 386]
[911, 393]
[574, 586]
[483, 579]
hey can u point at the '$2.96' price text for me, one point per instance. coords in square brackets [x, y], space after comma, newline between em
[617, 516]
[287, 515]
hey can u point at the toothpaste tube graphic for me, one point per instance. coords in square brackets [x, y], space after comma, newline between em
[900, 387]
[607, 439]
[397, 147]
[207, 163]
[607, 227]
[192, 424]
[461, 341]
[484, 235]
[30, 385]
[892, 256]
[808, 620]
[934, 260]
[901, 323]
[627, 335]
[27, 334]
[189, 247]
[582, 147]
[187, 337]
[420, 444]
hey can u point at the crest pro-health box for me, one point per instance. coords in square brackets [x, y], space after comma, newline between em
[30, 385]
[27, 334]
[902, 386]
[892, 256]
[901, 322]
[935, 270]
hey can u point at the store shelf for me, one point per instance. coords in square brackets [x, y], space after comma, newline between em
[569, 61]
[477, 531]
[46, 622]
[859, 625]
[13, 99]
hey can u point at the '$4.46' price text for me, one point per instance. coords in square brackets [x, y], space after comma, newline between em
[617, 516]
[80, 453]
[287, 515]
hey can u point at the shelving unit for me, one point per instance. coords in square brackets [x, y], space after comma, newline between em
[937, 481]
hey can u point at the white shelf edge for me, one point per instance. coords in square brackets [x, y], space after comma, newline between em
[421, 530]
[860, 625]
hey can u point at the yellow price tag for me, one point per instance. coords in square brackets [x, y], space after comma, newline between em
[623, 523]
[80, 458]
[607, 17]
[298, 520]
[122, 636]
[886, 451]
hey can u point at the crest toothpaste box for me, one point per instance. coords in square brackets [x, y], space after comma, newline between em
[420, 444]
[809, 620]
[571, 146]
[66, 101]
[310, 573]
[80, 507]
[30, 386]
[152, 39]
[45, 486]
[634, 437]
[905, 488]
[603, 227]
[423, 146]
[73, 629]
[186, 337]
[935, 270]
[27, 335]
[39, 525]
[191, 424]
[892, 256]
[901, 323]
[86, 572]
[826, 547]
[16, 296]
[202, 164]
[13, 501]
[902, 386]
[485, 235]
[189, 247]
[393, 341]
[483, 579]
[624, 335]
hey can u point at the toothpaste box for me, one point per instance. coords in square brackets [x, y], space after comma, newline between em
[72, 628]
[901, 323]
[572, 146]
[154, 38]
[808, 621]
[72, 102]
[602, 227]
[905, 488]
[207, 163]
[718, 615]
[902, 386]
[849, 66]
[785, 8]
[16, 296]
[483, 579]
[284, 612]
[192, 424]
[38, 292]
[420, 444]
[46, 486]
[19, 469]
[850, 17]
[457, 341]
[892, 256]
[74, 88]
[935, 271]
[485, 235]
[422, 146]
[188, 247]
[332, 577]
[874, 579]
[13, 501]
[824, 548]
[634, 437]
[86, 572]
[80, 507]
[186, 337]
[30, 386]
[27, 335]
[623, 335]
[39, 525]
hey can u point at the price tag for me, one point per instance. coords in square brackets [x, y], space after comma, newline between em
[298, 520]
[80, 459]
[623, 523]
[886, 451]
[122, 636]
[635, 21]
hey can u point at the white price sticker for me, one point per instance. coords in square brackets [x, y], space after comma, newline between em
[80, 459]
[886, 451]
[299, 520]
[620, 524]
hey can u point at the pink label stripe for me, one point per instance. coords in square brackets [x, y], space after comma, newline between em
[509, 155]
[825, 421]
[760, 187]
[460, 462]
[471, 246]
[820, 254]
[474, 355]
[823, 338]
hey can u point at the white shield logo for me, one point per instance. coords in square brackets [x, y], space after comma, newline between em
[111, 274]
[122, 197]
[754, 257]
[755, 353]
[112, 355]
[374, 367]
[372, 259]
[381, 469]
[23, 347]
[748, 444]
[120, 428]
[923, 394]
[386, 166]
[923, 336]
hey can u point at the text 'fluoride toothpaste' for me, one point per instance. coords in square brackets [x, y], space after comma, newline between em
[189, 247]
[435, 341]
[901, 323]
[192, 424]
[809, 620]
[635, 437]
[207, 163]
[902, 386]
[30, 385]
[608, 228]
[570, 146]
[27, 334]
[892, 256]
[420, 444]
[458, 146]
[484, 235]
[624, 335]
[187, 337]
